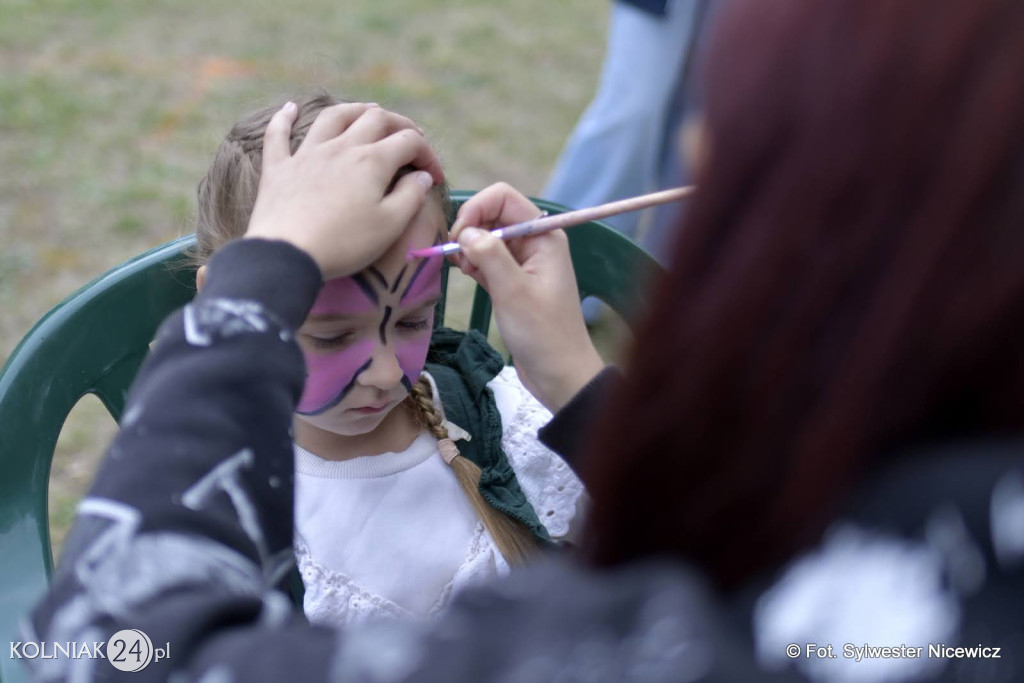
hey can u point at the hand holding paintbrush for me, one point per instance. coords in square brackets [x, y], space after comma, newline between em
[545, 223]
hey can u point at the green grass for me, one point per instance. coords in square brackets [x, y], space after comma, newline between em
[110, 111]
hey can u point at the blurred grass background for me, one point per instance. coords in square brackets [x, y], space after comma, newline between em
[110, 111]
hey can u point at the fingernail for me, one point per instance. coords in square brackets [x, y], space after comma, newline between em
[470, 235]
[425, 180]
[289, 107]
[372, 104]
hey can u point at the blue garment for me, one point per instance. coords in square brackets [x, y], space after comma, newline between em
[616, 149]
[656, 7]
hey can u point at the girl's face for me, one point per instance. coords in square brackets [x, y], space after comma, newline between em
[365, 339]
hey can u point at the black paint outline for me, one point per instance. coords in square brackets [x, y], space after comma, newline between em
[341, 395]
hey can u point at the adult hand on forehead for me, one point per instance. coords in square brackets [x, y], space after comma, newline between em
[328, 198]
[533, 288]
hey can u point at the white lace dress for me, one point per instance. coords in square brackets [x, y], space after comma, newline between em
[393, 535]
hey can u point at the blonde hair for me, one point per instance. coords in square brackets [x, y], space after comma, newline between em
[515, 541]
[226, 196]
[227, 193]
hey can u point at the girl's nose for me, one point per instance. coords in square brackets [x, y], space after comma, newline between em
[384, 372]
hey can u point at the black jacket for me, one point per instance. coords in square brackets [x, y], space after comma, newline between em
[186, 536]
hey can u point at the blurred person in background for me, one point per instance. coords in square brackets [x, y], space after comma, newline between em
[820, 434]
[620, 145]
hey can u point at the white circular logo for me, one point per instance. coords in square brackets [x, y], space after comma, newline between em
[130, 650]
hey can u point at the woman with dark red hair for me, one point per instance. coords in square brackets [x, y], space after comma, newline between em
[838, 342]
[813, 469]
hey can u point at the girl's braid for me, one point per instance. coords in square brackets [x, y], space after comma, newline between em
[515, 541]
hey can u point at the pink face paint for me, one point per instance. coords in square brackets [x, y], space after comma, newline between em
[330, 376]
[424, 285]
[345, 295]
[425, 281]
[412, 354]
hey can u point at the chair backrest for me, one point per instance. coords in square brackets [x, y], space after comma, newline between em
[95, 341]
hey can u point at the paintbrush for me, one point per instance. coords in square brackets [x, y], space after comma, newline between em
[545, 223]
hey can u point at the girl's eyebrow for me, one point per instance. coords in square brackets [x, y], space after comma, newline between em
[332, 317]
[430, 301]
[345, 317]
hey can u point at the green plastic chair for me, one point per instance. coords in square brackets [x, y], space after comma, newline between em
[95, 341]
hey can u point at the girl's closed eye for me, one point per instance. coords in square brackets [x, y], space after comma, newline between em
[324, 340]
[411, 325]
[417, 319]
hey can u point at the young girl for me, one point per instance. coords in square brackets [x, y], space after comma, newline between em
[410, 484]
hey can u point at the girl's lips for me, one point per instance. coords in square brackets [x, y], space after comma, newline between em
[369, 410]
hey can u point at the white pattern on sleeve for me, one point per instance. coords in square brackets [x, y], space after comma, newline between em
[553, 489]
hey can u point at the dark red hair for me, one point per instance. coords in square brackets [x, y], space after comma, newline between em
[848, 282]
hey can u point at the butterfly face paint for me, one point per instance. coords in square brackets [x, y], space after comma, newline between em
[371, 296]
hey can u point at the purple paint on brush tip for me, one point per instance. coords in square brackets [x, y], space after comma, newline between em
[437, 250]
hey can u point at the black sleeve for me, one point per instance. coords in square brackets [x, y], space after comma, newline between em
[565, 434]
[186, 534]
